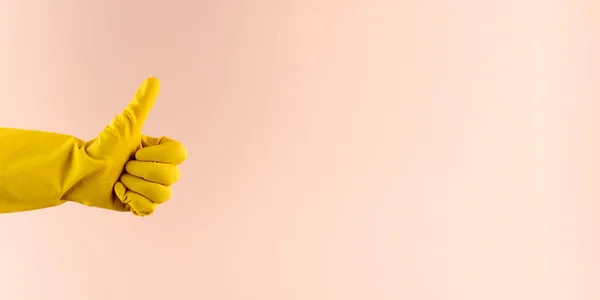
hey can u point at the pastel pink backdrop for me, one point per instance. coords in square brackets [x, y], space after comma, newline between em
[337, 149]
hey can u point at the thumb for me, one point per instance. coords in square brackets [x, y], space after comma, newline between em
[128, 125]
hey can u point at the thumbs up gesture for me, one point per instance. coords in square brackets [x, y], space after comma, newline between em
[125, 170]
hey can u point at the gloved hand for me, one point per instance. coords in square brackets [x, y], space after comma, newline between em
[41, 169]
[148, 178]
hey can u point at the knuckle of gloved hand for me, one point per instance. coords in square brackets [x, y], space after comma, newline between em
[179, 153]
[176, 175]
[164, 195]
[167, 174]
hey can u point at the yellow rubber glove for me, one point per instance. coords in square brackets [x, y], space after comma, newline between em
[42, 169]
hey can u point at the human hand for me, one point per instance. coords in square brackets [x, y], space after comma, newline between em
[147, 180]
[150, 164]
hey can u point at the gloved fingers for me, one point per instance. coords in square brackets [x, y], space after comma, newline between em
[156, 192]
[165, 174]
[140, 205]
[167, 151]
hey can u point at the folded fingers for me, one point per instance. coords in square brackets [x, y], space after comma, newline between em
[165, 174]
[147, 180]
[168, 151]
[140, 205]
[155, 192]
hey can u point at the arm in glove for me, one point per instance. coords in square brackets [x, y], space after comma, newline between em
[41, 169]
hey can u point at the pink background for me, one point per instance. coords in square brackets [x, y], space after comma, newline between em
[337, 149]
